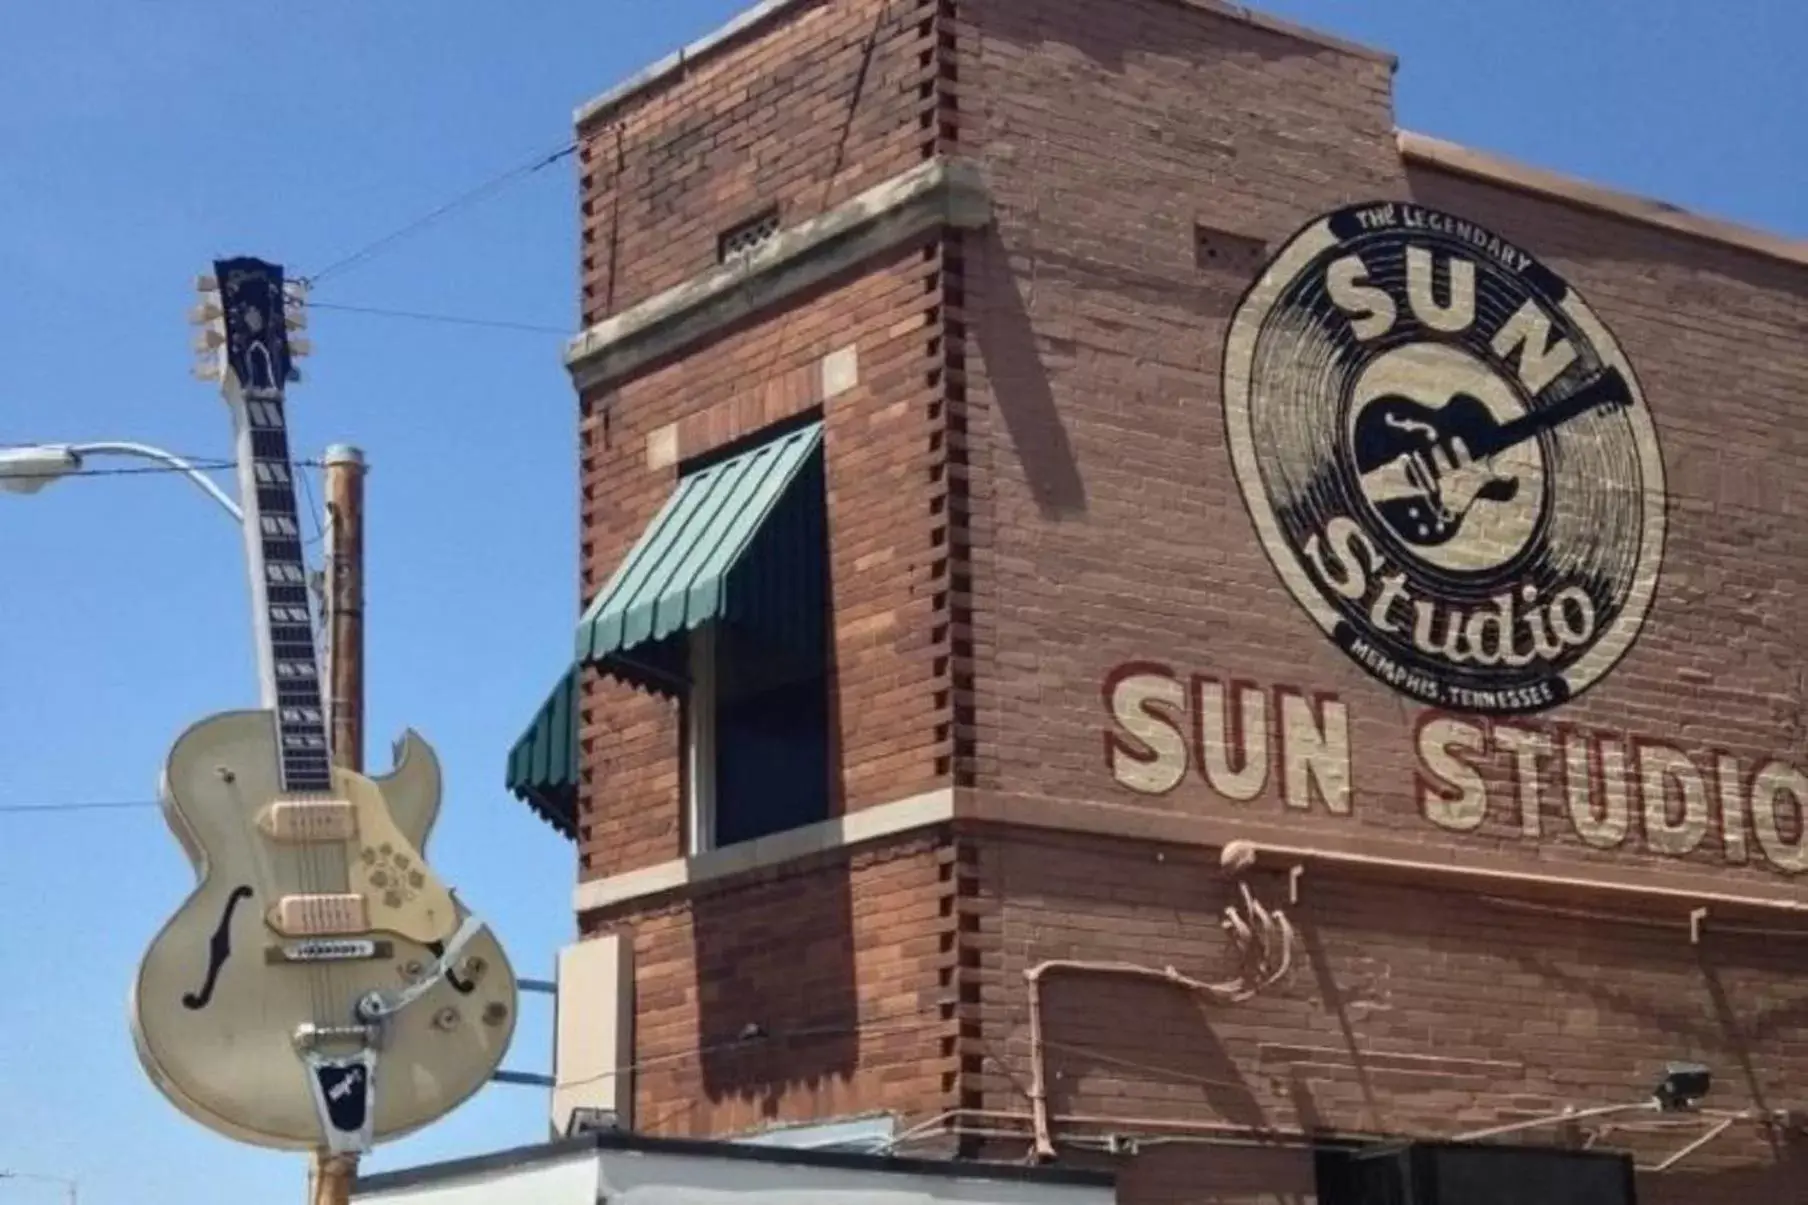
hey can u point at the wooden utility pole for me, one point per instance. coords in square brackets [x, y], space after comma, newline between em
[345, 602]
[332, 1175]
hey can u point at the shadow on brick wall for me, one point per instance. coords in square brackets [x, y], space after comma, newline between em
[776, 996]
[1123, 1047]
[1182, 31]
[1020, 386]
[776, 1004]
[1786, 1180]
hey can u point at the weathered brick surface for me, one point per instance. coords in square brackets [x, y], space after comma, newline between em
[1031, 488]
[1117, 531]
[1407, 1011]
[802, 113]
[837, 965]
[884, 509]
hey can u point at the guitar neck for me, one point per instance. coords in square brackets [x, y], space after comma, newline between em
[1606, 389]
[279, 580]
[257, 358]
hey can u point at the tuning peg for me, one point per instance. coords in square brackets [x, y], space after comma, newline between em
[206, 284]
[296, 320]
[209, 339]
[207, 370]
[300, 346]
[207, 311]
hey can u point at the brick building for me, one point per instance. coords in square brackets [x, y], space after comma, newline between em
[1135, 613]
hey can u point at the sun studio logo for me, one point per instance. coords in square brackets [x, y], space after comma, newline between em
[1447, 457]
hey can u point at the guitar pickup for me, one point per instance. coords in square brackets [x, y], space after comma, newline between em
[308, 820]
[327, 950]
[320, 915]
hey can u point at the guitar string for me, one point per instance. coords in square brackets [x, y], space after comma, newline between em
[317, 856]
[305, 860]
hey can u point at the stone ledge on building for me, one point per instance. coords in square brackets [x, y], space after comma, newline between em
[942, 192]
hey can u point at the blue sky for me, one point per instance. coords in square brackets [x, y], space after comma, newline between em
[138, 141]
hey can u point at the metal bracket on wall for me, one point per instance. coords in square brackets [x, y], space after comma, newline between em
[1697, 918]
[1294, 874]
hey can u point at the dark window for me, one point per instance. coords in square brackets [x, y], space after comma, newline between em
[759, 723]
[772, 740]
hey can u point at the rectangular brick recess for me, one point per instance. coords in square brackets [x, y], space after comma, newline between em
[838, 963]
[1030, 487]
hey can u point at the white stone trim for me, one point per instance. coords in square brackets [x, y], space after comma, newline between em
[840, 832]
[939, 192]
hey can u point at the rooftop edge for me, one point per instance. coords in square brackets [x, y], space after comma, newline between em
[1414, 148]
[747, 21]
[1456, 159]
[705, 1148]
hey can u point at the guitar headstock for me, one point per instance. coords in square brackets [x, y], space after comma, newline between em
[246, 313]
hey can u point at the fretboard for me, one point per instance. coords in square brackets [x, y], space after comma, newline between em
[285, 627]
[1606, 389]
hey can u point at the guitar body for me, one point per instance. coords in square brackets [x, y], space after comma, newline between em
[1398, 431]
[215, 1017]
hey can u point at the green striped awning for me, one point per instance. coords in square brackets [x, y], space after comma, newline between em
[731, 544]
[543, 765]
[740, 542]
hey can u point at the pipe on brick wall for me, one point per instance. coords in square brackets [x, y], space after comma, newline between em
[1256, 851]
[1265, 941]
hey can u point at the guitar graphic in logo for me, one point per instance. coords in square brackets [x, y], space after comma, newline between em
[1423, 468]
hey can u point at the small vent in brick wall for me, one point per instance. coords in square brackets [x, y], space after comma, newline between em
[738, 242]
[1224, 251]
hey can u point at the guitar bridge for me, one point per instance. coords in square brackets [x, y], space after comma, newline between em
[308, 820]
[320, 915]
[328, 950]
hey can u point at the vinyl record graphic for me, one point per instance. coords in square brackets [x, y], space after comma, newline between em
[1447, 457]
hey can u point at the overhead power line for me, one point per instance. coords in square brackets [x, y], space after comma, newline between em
[448, 319]
[375, 246]
[89, 806]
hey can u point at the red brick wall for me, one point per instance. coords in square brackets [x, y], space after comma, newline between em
[795, 112]
[803, 111]
[880, 448]
[1408, 1010]
[1032, 489]
[841, 963]
[1116, 534]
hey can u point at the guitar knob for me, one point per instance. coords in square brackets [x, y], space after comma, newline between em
[473, 968]
[445, 1018]
[495, 1013]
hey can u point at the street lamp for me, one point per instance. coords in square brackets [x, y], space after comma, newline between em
[65, 1181]
[28, 470]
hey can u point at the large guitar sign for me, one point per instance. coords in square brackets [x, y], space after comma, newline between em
[321, 988]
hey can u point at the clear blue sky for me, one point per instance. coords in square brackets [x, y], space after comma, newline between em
[138, 140]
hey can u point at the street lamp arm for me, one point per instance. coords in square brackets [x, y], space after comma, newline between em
[169, 459]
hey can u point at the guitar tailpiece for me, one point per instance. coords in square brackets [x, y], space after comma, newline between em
[345, 1095]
